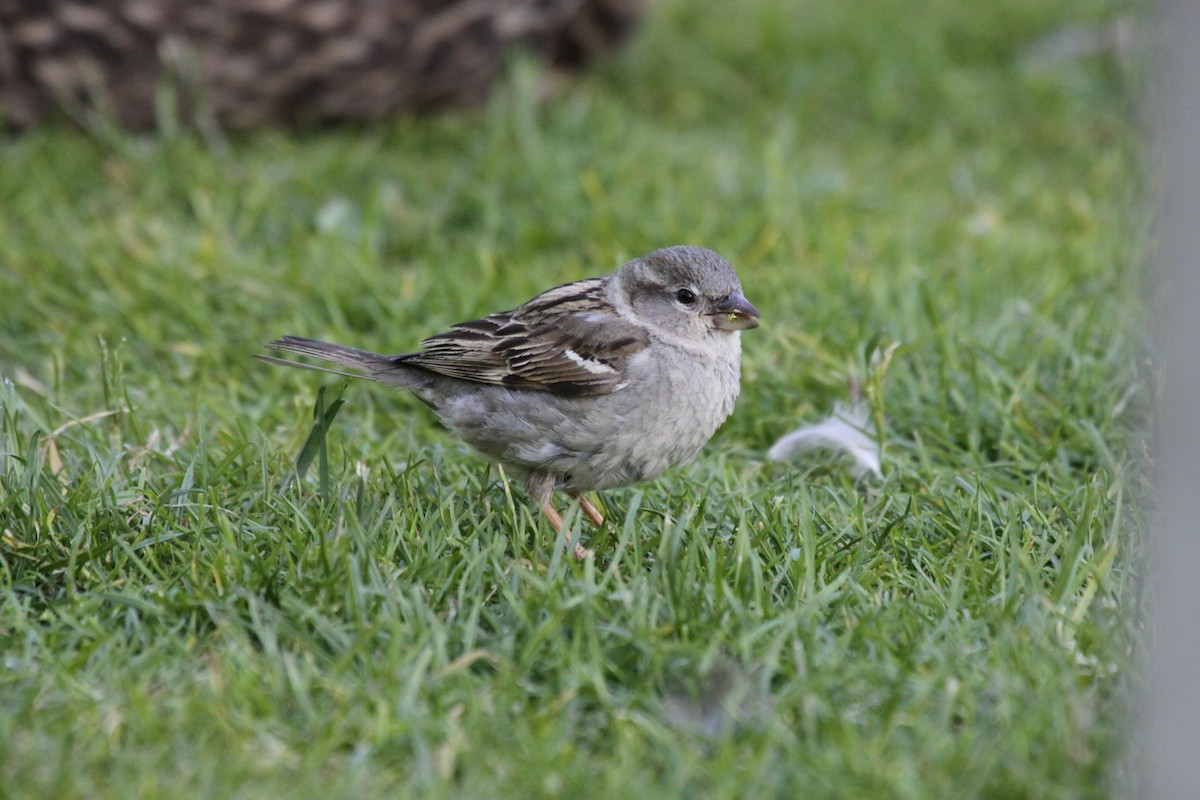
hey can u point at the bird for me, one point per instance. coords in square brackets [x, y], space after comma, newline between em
[591, 385]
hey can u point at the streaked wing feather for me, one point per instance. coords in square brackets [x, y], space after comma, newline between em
[567, 340]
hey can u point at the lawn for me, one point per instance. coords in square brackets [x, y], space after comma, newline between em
[181, 617]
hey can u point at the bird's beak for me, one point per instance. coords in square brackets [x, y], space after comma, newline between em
[734, 313]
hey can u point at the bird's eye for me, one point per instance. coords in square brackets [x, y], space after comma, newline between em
[686, 296]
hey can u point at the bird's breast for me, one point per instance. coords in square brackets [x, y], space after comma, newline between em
[680, 403]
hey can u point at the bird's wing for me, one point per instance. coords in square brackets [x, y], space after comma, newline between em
[568, 340]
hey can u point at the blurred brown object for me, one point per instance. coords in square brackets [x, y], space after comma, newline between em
[242, 63]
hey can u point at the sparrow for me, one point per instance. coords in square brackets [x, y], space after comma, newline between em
[591, 385]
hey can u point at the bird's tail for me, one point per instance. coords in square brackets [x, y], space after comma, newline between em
[362, 363]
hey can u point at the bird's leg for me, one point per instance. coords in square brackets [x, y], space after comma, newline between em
[540, 486]
[592, 512]
[556, 520]
[551, 514]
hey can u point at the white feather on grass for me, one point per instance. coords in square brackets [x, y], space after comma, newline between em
[843, 430]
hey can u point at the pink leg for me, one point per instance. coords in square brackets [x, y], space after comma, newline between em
[556, 520]
[592, 512]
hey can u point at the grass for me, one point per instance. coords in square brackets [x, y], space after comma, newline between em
[180, 616]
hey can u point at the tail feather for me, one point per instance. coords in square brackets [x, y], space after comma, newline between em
[368, 365]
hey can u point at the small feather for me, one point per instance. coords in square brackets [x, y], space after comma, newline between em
[844, 430]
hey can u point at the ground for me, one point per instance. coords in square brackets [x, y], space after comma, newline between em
[180, 616]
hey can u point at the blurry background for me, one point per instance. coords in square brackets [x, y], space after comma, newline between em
[299, 62]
